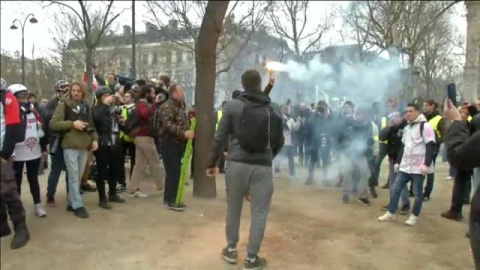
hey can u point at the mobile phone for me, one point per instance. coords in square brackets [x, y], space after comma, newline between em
[452, 93]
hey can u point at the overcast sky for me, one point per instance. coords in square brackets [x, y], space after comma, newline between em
[40, 33]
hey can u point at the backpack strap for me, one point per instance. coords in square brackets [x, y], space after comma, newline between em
[422, 127]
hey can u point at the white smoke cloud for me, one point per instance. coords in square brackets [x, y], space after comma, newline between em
[360, 81]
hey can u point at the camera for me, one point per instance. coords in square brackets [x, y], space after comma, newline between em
[88, 129]
[117, 110]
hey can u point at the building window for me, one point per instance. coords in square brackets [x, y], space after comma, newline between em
[184, 57]
[154, 58]
[169, 58]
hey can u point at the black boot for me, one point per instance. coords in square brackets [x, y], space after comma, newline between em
[21, 236]
[104, 204]
[5, 230]
[373, 192]
[115, 199]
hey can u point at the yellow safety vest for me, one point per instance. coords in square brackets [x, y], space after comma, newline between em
[122, 134]
[219, 117]
[383, 125]
[470, 118]
[434, 123]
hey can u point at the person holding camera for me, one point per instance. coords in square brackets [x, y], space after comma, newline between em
[318, 140]
[145, 150]
[73, 119]
[107, 116]
[461, 145]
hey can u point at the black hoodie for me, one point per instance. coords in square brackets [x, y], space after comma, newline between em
[463, 153]
[228, 128]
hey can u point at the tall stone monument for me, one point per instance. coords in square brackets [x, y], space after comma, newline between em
[471, 75]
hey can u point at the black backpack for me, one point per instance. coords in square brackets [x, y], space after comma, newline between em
[154, 123]
[132, 124]
[257, 131]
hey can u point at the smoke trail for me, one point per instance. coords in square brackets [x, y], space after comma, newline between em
[360, 81]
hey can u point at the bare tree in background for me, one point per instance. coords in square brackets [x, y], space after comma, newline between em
[42, 84]
[294, 30]
[87, 25]
[206, 61]
[436, 62]
[234, 38]
[397, 26]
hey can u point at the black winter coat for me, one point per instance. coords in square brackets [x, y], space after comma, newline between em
[463, 152]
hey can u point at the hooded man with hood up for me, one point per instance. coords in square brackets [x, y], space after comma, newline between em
[249, 161]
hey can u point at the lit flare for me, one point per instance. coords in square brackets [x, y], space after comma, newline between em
[275, 66]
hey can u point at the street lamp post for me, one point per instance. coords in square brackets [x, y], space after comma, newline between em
[22, 25]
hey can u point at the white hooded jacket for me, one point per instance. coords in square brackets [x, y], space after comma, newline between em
[415, 141]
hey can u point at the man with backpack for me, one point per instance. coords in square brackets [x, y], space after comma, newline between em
[414, 163]
[73, 119]
[438, 124]
[56, 153]
[255, 128]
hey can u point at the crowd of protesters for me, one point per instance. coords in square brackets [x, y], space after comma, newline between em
[147, 122]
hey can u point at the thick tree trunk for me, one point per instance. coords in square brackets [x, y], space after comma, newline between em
[205, 50]
[89, 67]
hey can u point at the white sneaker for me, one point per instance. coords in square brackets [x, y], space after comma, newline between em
[387, 217]
[449, 178]
[412, 220]
[40, 210]
[138, 194]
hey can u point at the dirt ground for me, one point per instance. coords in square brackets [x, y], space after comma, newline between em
[308, 228]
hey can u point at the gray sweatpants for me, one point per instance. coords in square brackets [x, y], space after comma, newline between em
[258, 182]
[476, 179]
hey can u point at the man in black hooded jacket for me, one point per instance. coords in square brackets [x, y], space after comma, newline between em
[248, 171]
[462, 151]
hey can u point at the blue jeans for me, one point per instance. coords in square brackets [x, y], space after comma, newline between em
[58, 164]
[393, 176]
[400, 183]
[75, 161]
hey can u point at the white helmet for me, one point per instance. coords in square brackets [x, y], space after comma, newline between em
[15, 88]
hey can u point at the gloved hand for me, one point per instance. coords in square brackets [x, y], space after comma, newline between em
[396, 167]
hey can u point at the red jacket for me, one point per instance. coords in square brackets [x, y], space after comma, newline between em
[144, 113]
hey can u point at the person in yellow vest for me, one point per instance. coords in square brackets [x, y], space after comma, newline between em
[127, 144]
[430, 111]
[381, 120]
[221, 160]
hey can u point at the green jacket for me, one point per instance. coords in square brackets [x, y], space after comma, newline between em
[62, 121]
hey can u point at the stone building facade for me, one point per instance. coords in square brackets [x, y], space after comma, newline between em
[170, 51]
